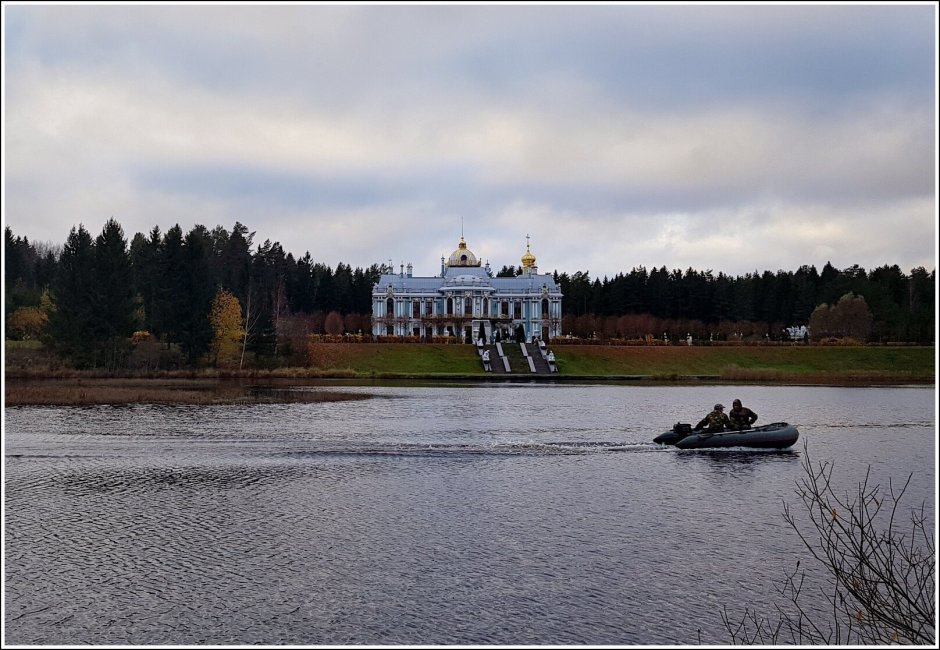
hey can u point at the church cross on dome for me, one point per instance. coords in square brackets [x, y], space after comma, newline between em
[528, 259]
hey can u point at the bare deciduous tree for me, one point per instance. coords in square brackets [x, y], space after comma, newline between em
[879, 565]
[252, 316]
[850, 317]
[333, 323]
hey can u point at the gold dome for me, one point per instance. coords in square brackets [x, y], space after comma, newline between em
[528, 259]
[462, 256]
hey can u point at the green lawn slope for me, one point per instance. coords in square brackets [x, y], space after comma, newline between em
[785, 364]
[781, 363]
[773, 364]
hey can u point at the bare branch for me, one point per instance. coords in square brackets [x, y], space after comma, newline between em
[881, 581]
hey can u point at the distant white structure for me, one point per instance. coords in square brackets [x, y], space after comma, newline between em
[797, 333]
[467, 301]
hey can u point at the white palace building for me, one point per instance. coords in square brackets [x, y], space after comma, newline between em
[465, 300]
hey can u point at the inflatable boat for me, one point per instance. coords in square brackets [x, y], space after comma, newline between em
[777, 435]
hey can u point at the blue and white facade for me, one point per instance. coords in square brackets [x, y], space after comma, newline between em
[466, 301]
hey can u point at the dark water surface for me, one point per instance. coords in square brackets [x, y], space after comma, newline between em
[481, 514]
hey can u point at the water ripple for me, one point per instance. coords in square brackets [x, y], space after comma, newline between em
[453, 516]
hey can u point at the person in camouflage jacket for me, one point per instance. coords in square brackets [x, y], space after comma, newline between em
[741, 416]
[716, 420]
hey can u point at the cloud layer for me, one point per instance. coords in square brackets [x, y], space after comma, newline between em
[736, 139]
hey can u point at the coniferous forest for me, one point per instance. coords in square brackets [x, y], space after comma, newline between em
[214, 296]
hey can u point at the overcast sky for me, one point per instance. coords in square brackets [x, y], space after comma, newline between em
[724, 137]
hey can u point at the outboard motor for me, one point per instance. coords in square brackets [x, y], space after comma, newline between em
[682, 428]
[678, 432]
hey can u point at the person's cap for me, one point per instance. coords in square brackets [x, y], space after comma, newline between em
[719, 407]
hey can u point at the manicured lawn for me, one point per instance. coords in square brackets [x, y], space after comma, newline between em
[398, 358]
[783, 364]
[740, 362]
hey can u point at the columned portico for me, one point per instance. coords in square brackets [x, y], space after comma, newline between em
[465, 301]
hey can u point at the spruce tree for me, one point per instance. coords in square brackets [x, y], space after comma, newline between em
[195, 299]
[145, 266]
[72, 322]
[168, 304]
[113, 296]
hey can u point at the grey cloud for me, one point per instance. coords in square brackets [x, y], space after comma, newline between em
[612, 131]
[635, 53]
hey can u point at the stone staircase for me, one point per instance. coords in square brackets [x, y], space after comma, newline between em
[538, 361]
[498, 363]
[517, 361]
[516, 358]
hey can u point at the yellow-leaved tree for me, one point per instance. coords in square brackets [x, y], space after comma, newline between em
[26, 323]
[227, 329]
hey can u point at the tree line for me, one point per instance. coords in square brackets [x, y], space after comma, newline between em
[883, 305]
[88, 298]
[92, 297]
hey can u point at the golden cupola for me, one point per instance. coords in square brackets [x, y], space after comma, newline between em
[528, 259]
[462, 256]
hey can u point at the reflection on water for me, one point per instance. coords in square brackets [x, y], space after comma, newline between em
[497, 514]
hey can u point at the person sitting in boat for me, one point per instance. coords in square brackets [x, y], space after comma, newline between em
[717, 420]
[741, 416]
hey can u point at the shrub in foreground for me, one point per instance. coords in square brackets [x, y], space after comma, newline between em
[879, 563]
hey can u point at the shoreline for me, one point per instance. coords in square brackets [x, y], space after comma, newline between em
[97, 391]
[89, 389]
[33, 377]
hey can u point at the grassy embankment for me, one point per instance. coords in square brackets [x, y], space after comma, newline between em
[782, 364]
[29, 370]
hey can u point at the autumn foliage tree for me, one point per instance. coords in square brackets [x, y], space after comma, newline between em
[26, 323]
[848, 318]
[333, 323]
[227, 329]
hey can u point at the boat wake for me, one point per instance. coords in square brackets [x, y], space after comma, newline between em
[554, 448]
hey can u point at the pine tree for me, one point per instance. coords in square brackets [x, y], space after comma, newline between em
[145, 267]
[72, 323]
[113, 294]
[195, 297]
[236, 261]
[168, 303]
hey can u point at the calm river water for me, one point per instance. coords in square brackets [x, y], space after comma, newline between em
[514, 514]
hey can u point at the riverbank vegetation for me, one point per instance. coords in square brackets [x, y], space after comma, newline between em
[774, 364]
[173, 300]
